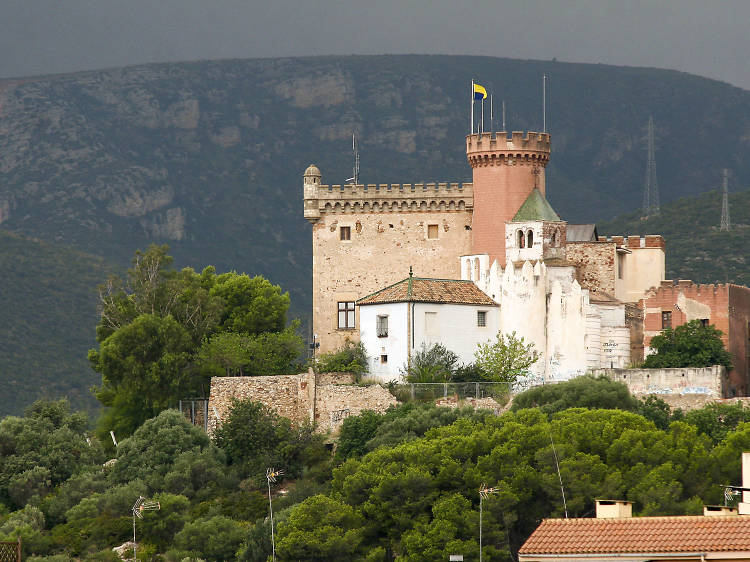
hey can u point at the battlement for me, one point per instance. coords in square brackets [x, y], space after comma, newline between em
[388, 198]
[636, 242]
[498, 147]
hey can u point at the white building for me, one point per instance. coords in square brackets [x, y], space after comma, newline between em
[416, 312]
[537, 295]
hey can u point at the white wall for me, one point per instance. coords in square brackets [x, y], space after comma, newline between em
[394, 346]
[455, 328]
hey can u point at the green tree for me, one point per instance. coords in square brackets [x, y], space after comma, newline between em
[349, 358]
[580, 392]
[320, 529]
[507, 359]
[255, 438]
[216, 538]
[431, 364]
[251, 305]
[163, 333]
[145, 369]
[688, 345]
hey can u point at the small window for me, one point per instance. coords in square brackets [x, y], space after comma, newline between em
[345, 233]
[430, 323]
[481, 318]
[346, 315]
[666, 319]
[519, 238]
[384, 359]
[704, 322]
[530, 239]
[432, 231]
[554, 239]
[621, 266]
[381, 326]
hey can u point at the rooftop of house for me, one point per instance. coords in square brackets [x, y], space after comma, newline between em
[536, 208]
[438, 291]
[642, 535]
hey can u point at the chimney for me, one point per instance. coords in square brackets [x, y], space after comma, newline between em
[613, 509]
[718, 510]
[744, 506]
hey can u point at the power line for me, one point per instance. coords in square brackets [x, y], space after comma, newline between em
[725, 202]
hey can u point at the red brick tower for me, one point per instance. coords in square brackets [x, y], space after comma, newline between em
[506, 170]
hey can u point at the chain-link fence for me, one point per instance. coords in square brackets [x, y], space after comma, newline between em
[459, 391]
[195, 410]
[10, 551]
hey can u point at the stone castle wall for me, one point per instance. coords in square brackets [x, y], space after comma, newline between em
[708, 381]
[381, 249]
[595, 265]
[327, 399]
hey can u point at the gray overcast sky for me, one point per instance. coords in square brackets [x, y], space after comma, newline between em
[697, 36]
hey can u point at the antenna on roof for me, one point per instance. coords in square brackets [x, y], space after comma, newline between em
[544, 103]
[503, 115]
[355, 178]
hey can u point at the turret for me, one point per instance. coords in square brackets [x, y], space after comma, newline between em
[506, 171]
[311, 182]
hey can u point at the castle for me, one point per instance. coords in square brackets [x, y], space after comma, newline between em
[572, 293]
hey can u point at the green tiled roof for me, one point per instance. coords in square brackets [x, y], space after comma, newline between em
[536, 208]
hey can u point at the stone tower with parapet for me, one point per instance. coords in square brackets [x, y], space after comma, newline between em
[505, 172]
[366, 237]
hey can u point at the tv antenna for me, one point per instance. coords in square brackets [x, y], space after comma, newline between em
[355, 178]
[141, 505]
[559, 476]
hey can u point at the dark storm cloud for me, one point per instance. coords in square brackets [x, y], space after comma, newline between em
[45, 36]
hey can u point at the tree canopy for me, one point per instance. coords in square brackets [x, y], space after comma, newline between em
[689, 345]
[163, 333]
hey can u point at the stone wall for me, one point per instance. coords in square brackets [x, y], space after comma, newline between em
[707, 381]
[381, 249]
[595, 265]
[327, 399]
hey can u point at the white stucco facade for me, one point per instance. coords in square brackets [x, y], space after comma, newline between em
[414, 324]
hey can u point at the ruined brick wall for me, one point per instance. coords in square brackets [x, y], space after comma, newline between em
[739, 337]
[595, 264]
[334, 403]
[382, 247]
[634, 322]
[710, 381]
[302, 399]
[290, 396]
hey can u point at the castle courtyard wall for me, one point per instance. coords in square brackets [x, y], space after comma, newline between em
[595, 264]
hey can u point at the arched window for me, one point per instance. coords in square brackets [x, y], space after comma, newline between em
[519, 239]
[529, 238]
[468, 269]
[476, 269]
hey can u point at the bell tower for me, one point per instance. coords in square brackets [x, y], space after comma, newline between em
[506, 171]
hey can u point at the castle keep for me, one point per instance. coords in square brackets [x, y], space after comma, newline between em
[559, 286]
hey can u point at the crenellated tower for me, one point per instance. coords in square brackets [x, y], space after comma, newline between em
[506, 170]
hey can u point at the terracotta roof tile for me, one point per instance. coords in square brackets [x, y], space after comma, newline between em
[639, 535]
[439, 291]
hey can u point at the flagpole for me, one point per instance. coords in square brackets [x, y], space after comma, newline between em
[483, 115]
[492, 122]
[472, 107]
[503, 115]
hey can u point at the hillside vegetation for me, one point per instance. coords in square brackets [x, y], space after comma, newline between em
[207, 157]
[696, 248]
[48, 303]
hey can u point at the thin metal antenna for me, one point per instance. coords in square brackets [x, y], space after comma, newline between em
[651, 188]
[725, 202]
[492, 125]
[544, 103]
[557, 464]
[503, 115]
[271, 476]
[484, 492]
[355, 178]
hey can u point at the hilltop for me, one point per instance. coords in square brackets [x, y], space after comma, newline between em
[208, 156]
